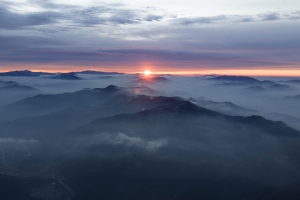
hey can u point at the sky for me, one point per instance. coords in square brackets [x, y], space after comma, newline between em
[165, 36]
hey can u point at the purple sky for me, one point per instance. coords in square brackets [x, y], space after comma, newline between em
[164, 36]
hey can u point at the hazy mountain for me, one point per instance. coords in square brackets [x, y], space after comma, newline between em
[177, 109]
[12, 91]
[226, 108]
[45, 128]
[182, 131]
[278, 87]
[66, 76]
[43, 104]
[265, 83]
[7, 83]
[18, 88]
[294, 81]
[23, 73]
[255, 89]
[296, 98]
[150, 80]
[114, 143]
[231, 109]
[99, 72]
[105, 77]
[234, 79]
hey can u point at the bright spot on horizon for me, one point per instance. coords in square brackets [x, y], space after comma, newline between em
[147, 72]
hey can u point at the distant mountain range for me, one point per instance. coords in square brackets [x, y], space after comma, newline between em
[255, 89]
[11, 91]
[234, 78]
[296, 98]
[254, 85]
[66, 76]
[294, 81]
[178, 110]
[99, 72]
[150, 80]
[24, 73]
[30, 73]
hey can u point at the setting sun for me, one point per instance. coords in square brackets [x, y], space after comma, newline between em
[147, 72]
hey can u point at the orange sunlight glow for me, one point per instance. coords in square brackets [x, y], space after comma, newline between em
[284, 71]
[147, 73]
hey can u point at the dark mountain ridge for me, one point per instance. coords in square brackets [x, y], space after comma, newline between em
[42, 104]
[178, 109]
[24, 73]
[66, 76]
[99, 72]
[234, 78]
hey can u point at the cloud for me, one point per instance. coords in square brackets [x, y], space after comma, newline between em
[19, 43]
[127, 141]
[14, 20]
[270, 16]
[109, 34]
[152, 17]
[74, 15]
[123, 57]
[200, 20]
[18, 141]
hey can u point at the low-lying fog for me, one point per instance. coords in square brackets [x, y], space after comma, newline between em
[117, 131]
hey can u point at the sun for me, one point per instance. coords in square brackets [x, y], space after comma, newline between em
[147, 73]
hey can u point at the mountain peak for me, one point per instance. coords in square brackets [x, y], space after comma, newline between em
[67, 76]
[113, 88]
[235, 78]
[179, 106]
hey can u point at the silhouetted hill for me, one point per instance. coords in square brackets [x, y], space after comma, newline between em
[43, 104]
[175, 111]
[255, 89]
[294, 81]
[279, 87]
[296, 98]
[226, 108]
[24, 73]
[7, 83]
[234, 79]
[19, 88]
[150, 79]
[99, 72]
[12, 91]
[66, 76]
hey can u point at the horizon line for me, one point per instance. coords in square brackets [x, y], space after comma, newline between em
[219, 72]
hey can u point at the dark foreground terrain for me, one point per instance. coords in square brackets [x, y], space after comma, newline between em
[137, 143]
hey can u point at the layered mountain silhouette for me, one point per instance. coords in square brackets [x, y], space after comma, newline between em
[23, 73]
[99, 72]
[175, 110]
[42, 121]
[150, 80]
[114, 143]
[43, 104]
[11, 91]
[66, 76]
[234, 79]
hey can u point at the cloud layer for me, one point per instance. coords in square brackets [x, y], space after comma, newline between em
[119, 35]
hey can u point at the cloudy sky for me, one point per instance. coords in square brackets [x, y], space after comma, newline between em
[191, 36]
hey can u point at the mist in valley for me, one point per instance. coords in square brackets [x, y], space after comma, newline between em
[132, 136]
